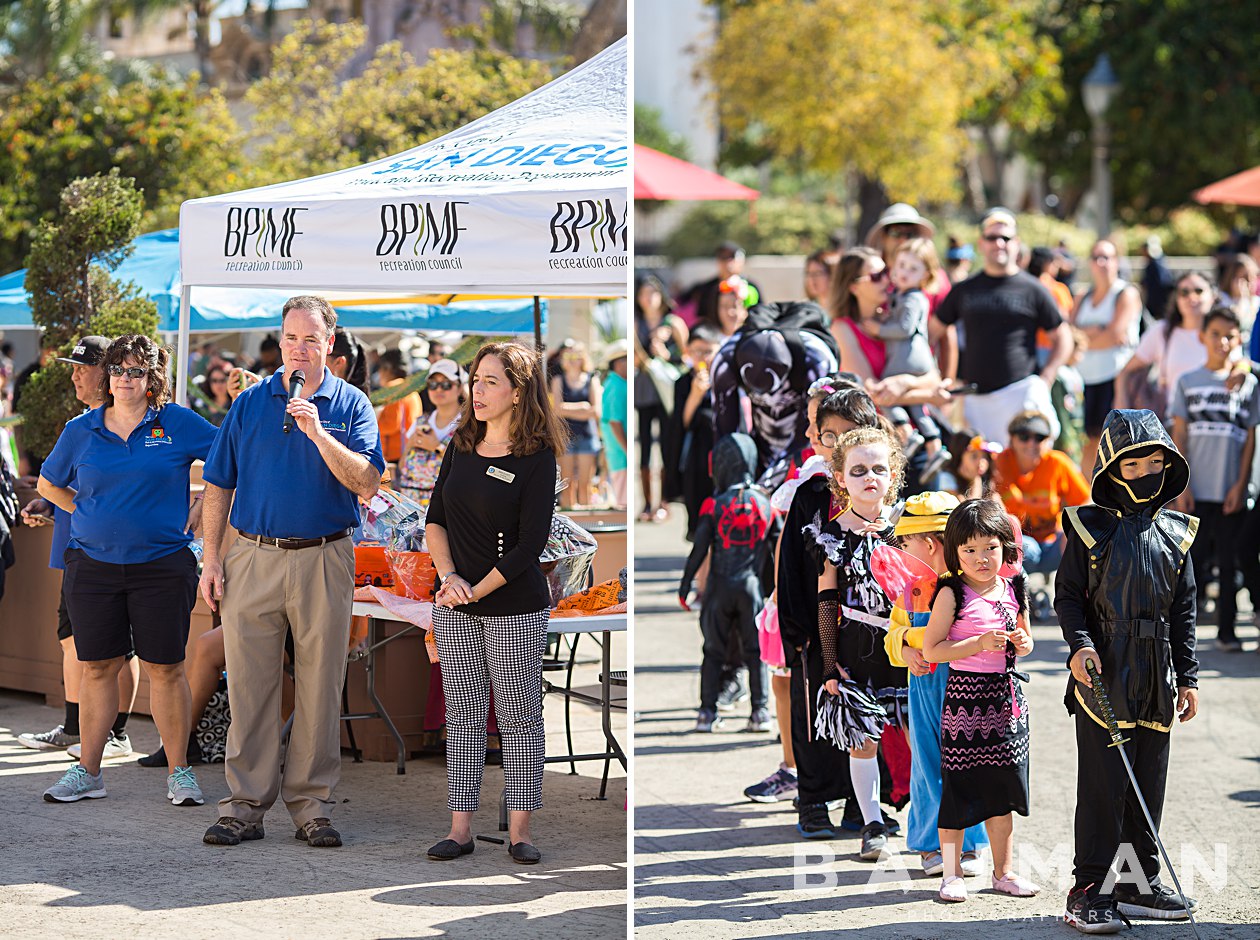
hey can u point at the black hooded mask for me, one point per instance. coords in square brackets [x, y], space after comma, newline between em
[1130, 433]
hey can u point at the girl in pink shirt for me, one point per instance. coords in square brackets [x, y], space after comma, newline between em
[978, 626]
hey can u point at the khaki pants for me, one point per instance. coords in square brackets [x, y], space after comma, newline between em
[267, 591]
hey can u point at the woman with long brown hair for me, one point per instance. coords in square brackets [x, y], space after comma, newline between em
[488, 522]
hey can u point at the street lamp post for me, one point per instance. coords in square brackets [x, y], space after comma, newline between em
[1099, 89]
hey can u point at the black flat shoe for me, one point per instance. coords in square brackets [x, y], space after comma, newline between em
[523, 853]
[448, 850]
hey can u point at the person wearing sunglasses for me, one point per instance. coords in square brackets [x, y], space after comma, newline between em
[427, 438]
[215, 389]
[1108, 313]
[121, 471]
[859, 290]
[1000, 310]
[1036, 484]
[1173, 348]
[86, 373]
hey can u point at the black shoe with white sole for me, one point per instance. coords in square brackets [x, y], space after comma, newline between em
[1092, 912]
[1163, 903]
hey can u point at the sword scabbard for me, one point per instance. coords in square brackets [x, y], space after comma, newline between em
[1104, 705]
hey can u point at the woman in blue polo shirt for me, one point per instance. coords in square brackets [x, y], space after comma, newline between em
[130, 579]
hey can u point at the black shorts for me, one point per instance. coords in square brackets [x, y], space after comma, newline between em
[1099, 400]
[119, 608]
[64, 630]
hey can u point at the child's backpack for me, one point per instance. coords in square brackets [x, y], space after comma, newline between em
[741, 520]
[791, 319]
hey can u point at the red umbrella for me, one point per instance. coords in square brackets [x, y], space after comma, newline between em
[1241, 189]
[659, 176]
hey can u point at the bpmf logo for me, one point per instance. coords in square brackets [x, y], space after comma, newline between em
[424, 227]
[589, 225]
[270, 233]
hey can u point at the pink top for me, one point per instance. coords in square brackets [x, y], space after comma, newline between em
[872, 348]
[978, 616]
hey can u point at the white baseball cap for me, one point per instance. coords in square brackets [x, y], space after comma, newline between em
[446, 367]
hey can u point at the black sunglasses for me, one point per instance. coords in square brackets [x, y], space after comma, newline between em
[998, 238]
[441, 385]
[1191, 291]
[135, 372]
[1030, 436]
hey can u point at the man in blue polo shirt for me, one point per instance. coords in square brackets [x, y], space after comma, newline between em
[291, 567]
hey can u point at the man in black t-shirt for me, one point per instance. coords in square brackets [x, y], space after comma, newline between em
[1001, 309]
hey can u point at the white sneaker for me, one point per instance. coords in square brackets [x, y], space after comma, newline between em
[115, 746]
[969, 864]
[182, 788]
[54, 740]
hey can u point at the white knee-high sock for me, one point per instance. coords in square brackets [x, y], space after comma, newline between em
[864, 771]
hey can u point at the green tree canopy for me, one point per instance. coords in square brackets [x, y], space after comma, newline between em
[650, 131]
[310, 121]
[73, 294]
[881, 90]
[1188, 109]
[176, 142]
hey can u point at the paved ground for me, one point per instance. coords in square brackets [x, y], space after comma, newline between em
[708, 864]
[132, 865]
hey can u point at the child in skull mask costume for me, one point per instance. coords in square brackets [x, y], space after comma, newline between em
[1125, 597]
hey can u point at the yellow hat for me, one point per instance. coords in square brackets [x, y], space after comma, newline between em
[926, 512]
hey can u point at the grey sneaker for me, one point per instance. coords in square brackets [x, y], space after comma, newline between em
[874, 842]
[759, 721]
[55, 740]
[75, 784]
[115, 746]
[707, 721]
[182, 789]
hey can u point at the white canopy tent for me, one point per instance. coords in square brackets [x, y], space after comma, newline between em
[529, 200]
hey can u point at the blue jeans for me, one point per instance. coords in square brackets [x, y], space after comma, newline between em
[1043, 557]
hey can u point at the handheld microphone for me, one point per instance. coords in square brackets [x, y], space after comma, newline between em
[296, 381]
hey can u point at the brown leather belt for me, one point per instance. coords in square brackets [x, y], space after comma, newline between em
[295, 543]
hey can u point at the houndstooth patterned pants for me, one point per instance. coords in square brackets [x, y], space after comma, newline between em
[503, 653]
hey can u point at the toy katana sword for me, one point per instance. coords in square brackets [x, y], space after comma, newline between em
[1118, 742]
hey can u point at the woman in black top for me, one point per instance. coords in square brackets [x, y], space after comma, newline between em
[488, 522]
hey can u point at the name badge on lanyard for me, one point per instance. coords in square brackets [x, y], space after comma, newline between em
[502, 475]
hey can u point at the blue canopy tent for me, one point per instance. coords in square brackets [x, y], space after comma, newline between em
[154, 267]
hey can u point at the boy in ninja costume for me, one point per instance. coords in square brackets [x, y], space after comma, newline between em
[733, 526]
[1126, 600]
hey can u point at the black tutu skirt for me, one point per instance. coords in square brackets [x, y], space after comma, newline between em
[984, 748]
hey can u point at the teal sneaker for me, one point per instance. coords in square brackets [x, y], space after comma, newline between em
[76, 784]
[182, 789]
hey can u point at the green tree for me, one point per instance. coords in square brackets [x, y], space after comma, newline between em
[176, 142]
[879, 92]
[72, 293]
[1188, 109]
[650, 131]
[554, 23]
[38, 37]
[310, 121]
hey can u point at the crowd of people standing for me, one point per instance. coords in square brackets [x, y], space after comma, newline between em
[999, 397]
[290, 463]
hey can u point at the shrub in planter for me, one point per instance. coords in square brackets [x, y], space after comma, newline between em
[72, 293]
